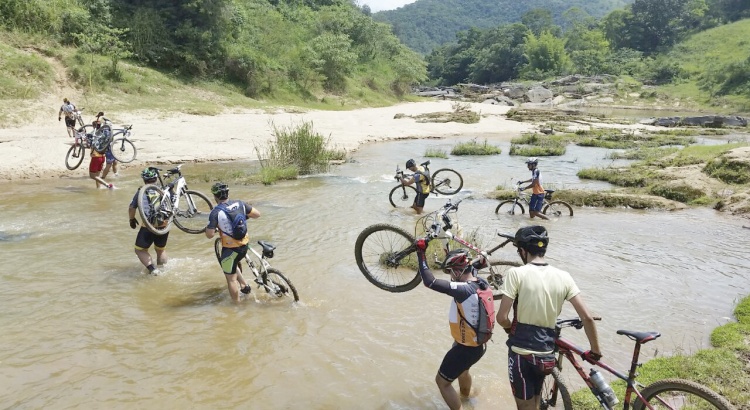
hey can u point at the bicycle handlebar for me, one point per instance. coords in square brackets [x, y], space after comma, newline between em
[574, 322]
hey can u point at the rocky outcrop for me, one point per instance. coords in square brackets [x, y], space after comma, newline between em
[709, 121]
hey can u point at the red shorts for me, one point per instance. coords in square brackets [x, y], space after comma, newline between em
[96, 165]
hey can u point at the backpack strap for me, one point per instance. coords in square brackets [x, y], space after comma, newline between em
[476, 329]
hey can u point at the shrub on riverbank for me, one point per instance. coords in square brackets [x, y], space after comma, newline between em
[293, 151]
[474, 148]
[723, 369]
[435, 153]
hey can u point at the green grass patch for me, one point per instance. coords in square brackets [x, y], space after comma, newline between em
[539, 145]
[643, 153]
[435, 153]
[475, 148]
[623, 139]
[22, 74]
[728, 171]
[625, 177]
[680, 193]
[271, 174]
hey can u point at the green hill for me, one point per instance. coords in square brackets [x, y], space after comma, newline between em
[717, 62]
[425, 24]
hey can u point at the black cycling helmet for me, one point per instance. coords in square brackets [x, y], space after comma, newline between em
[149, 174]
[456, 262]
[410, 163]
[532, 238]
[220, 190]
[532, 160]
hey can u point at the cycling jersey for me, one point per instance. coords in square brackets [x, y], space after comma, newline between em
[422, 180]
[69, 110]
[539, 292]
[536, 182]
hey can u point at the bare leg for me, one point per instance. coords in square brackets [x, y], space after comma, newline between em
[144, 257]
[95, 176]
[106, 169]
[538, 214]
[448, 392]
[161, 256]
[531, 404]
[464, 383]
[233, 286]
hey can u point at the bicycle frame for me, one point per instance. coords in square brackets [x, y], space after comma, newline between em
[569, 350]
[176, 188]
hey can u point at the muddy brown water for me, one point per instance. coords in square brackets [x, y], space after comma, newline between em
[84, 327]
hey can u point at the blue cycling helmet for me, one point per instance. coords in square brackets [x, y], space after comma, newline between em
[410, 163]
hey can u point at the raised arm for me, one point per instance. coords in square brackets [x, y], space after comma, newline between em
[429, 280]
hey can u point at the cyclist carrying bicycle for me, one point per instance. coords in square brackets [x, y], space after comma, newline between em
[537, 192]
[536, 292]
[146, 238]
[233, 250]
[462, 317]
[421, 179]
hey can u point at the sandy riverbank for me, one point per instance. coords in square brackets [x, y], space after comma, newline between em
[38, 150]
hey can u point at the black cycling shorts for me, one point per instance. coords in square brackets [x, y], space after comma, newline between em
[146, 238]
[525, 378]
[419, 199]
[70, 122]
[459, 359]
[230, 258]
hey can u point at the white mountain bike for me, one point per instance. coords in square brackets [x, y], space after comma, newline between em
[173, 202]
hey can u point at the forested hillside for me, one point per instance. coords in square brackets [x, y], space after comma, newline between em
[265, 48]
[425, 24]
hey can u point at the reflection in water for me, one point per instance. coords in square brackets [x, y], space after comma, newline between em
[84, 326]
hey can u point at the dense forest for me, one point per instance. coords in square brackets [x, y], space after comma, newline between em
[262, 46]
[426, 24]
[639, 41]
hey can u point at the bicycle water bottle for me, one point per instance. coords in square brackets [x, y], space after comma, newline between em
[603, 387]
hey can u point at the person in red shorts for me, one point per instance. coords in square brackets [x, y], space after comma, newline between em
[95, 169]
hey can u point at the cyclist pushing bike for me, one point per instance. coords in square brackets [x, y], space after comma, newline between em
[421, 180]
[536, 292]
[229, 217]
[537, 192]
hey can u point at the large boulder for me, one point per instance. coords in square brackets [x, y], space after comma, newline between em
[538, 95]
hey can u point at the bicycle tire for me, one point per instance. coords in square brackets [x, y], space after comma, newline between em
[144, 219]
[447, 185]
[558, 208]
[217, 249]
[86, 129]
[510, 208]
[120, 149]
[404, 198]
[681, 390]
[375, 251]
[281, 281]
[555, 390]
[191, 216]
[496, 282]
[74, 157]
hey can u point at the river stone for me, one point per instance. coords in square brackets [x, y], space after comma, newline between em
[538, 95]
[515, 92]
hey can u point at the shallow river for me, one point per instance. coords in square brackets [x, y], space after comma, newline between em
[83, 327]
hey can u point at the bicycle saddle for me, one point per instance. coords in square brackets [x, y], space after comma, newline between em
[549, 191]
[267, 247]
[426, 163]
[640, 337]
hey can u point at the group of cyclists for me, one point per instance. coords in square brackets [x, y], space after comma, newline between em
[535, 293]
[101, 163]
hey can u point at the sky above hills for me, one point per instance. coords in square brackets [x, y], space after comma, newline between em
[380, 5]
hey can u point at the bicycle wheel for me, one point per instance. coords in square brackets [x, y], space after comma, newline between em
[558, 208]
[402, 196]
[192, 212]
[74, 157]
[86, 129]
[681, 394]
[157, 203]
[555, 393]
[217, 249]
[447, 181]
[123, 150]
[386, 256]
[281, 286]
[510, 208]
[496, 279]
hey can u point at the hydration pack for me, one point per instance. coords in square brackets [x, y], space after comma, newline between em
[486, 322]
[237, 219]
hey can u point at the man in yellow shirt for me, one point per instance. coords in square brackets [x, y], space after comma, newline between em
[537, 291]
[537, 192]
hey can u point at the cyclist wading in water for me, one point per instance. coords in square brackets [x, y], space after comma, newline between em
[232, 250]
[421, 180]
[463, 314]
[537, 192]
[146, 238]
[536, 292]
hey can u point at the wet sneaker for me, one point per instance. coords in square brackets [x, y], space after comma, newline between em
[246, 290]
[110, 186]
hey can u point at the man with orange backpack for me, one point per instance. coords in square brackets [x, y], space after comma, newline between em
[471, 318]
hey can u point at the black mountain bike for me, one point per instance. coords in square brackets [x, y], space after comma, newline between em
[444, 181]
